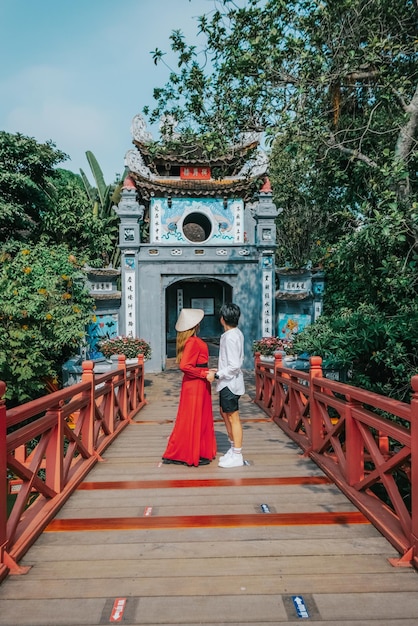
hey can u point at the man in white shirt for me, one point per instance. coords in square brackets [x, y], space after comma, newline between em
[230, 382]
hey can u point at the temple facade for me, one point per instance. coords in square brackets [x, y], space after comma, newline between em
[195, 233]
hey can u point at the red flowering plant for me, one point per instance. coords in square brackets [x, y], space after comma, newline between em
[268, 346]
[129, 346]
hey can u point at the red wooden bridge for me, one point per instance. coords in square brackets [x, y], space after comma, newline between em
[320, 524]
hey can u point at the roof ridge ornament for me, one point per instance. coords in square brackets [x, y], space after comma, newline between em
[139, 130]
[136, 164]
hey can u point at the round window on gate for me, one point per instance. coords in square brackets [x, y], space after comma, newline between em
[197, 227]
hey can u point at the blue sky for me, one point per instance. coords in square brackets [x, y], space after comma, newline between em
[77, 71]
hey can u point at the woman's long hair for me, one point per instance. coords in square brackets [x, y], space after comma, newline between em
[181, 339]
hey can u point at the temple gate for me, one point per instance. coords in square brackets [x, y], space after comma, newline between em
[190, 239]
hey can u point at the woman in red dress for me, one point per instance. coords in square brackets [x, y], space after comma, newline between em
[192, 441]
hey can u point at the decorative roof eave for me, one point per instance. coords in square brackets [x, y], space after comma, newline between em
[286, 295]
[148, 182]
[194, 155]
[180, 187]
[103, 271]
[110, 295]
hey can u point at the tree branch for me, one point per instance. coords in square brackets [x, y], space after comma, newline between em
[408, 131]
[363, 75]
[355, 154]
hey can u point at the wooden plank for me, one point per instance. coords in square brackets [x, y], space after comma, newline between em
[164, 549]
[227, 585]
[214, 566]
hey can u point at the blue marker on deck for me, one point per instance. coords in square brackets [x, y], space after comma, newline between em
[300, 607]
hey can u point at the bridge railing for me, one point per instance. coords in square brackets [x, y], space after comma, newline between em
[47, 447]
[366, 443]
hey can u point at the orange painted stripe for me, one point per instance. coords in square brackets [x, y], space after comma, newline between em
[206, 521]
[210, 482]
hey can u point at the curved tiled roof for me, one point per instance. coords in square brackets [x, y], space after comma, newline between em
[198, 188]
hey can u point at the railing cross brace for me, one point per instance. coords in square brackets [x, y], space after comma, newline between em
[405, 560]
[14, 568]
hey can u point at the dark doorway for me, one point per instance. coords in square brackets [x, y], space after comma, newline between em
[203, 292]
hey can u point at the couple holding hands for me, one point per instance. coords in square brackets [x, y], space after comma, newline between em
[192, 441]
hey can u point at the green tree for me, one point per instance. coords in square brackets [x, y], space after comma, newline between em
[48, 234]
[44, 310]
[334, 86]
[39, 199]
[332, 82]
[377, 351]
[70, 219]
[26, 172]
[102, 198]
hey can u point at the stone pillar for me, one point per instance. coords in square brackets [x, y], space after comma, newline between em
[131, 214]
[265, 213]
[267, 294]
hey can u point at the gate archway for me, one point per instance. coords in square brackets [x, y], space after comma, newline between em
[201, 292]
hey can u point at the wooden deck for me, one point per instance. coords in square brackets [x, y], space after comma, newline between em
[175, 545]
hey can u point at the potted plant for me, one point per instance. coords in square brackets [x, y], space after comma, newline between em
[268, 346]
[131, 347]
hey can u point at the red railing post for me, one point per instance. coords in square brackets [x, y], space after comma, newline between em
[3, 475]
[141, 390]
[87, 428]
[354, 446]
[109, 404]
[315, 371]
[277, 399]
[267, 386]
[258, 380]
[54, 455]
[123, 401]
[414, 466]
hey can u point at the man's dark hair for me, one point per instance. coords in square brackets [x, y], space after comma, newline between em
[231, 313]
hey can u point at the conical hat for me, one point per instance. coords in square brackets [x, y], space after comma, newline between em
[189, 318]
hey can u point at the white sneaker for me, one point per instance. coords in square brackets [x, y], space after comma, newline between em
[234, 460]
[227, 454]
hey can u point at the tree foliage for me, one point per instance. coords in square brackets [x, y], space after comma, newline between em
[38, 199]
[334, 87]
[378, 351]
[102, 198]
[44, 310]
[74, 219]
[26, 171]
[49, 232]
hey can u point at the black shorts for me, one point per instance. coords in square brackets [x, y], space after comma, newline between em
[228, 401]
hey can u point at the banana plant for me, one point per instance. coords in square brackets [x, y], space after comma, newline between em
[103, 197]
